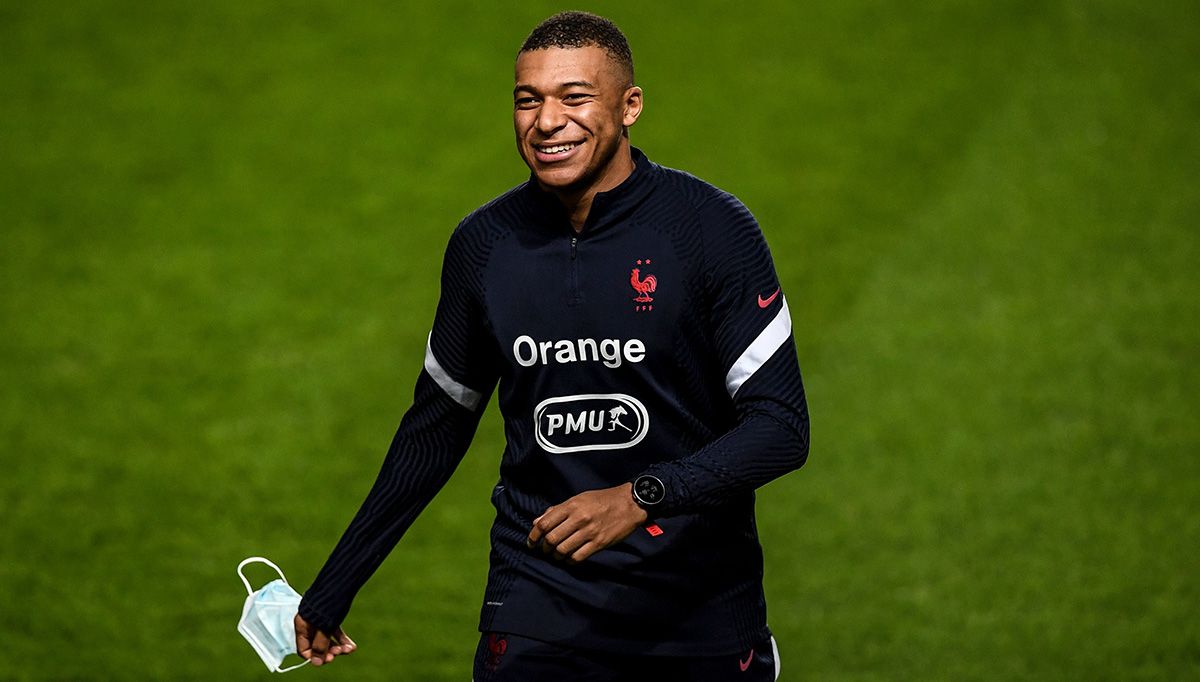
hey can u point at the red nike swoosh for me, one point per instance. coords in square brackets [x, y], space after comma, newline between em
[764, 302]
[745, 665]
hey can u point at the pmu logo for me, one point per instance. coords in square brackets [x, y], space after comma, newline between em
[591, 421]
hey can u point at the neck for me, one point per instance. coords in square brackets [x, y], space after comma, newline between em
[578, 202]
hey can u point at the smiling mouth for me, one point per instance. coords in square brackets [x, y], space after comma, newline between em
[555, 148]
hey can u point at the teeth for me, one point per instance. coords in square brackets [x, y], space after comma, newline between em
[557, 149]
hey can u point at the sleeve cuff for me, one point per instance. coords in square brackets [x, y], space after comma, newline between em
[676, 500]
[316, 619]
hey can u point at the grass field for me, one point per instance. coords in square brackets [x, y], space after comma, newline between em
[220, 230]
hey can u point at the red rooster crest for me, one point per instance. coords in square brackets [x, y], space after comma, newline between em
[644, 287]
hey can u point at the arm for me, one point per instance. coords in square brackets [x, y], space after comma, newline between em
[752, 335]
[451, 392]
[769, 440]
[752, 330]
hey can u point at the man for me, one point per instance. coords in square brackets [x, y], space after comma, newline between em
[648, 384]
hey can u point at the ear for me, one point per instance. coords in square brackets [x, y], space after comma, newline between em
[633, 105]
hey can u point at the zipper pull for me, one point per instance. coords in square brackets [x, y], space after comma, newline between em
[574, 242]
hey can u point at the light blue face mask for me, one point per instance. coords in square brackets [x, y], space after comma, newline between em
[268, 618]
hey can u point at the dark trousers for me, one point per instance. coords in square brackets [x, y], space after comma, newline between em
[503, 657]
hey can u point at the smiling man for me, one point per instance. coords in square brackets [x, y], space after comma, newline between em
[648, 382]
[572, 110]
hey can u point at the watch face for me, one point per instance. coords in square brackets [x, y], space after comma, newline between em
[649, 490]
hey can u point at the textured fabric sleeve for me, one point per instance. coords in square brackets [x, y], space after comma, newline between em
[752, 334]
[457, 377]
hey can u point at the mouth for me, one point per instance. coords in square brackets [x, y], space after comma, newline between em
[549, 153]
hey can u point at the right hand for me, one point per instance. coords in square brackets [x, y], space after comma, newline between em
[319, 648]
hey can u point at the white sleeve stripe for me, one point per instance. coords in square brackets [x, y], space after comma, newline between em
[760, 350]
[775, 654]
[462, 395]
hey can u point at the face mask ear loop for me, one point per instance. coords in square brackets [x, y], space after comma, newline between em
[258, 560]
[298, 665]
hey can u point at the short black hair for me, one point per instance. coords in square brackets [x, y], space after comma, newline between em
[582, 29]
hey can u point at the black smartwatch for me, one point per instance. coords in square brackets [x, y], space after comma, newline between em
[648, 492]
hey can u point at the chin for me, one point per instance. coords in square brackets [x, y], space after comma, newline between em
[559, 178]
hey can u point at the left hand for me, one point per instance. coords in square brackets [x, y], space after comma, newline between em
[587, 523]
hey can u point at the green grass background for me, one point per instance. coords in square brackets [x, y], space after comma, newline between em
[220, 230]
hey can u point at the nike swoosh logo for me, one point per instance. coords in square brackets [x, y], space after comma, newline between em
[745, 665]
[764, 302]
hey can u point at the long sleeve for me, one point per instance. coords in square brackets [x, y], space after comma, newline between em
[452, 390]
[752, 334]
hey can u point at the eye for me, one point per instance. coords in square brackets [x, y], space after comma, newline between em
[577, 98]
[525, 102]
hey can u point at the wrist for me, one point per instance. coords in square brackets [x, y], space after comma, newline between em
[648, 493]
[639, 515]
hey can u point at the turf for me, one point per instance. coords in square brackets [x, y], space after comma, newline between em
[220, 231]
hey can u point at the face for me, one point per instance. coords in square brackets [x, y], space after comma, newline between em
[570, 111]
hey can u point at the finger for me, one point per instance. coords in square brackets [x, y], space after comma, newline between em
[568, 548]
[585, 552]
[535, 531]
[348, 645]
[320, 649]
[303, 646]
[569, 528]
[570, 544]
[337, 646]
[545, 523]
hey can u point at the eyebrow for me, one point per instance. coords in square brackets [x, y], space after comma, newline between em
[569, 84]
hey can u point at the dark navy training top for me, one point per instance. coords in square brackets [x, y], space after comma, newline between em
[655, 341]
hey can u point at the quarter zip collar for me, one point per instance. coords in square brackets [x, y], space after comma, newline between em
[608, 208]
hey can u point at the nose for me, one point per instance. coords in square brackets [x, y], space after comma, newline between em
[551, 117]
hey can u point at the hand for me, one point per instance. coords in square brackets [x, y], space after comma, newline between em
[587, 523]
[314, 645]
